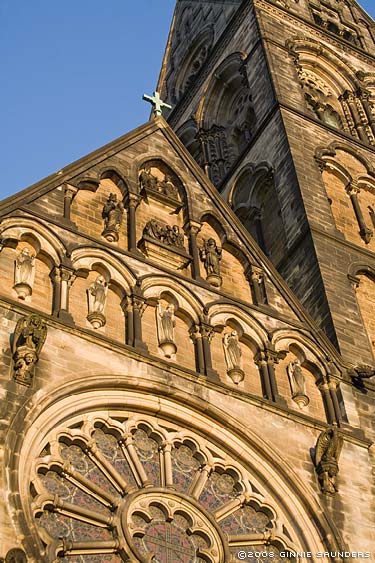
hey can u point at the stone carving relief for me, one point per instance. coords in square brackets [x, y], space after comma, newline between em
[24, 270]
[167, 234]
[165, 323]
[112, 214]
[210, 255]
[327, 453]
[232, 354]
[152, 185]
[297, 383]
[96, 299]
[165, 244]
[29, 336]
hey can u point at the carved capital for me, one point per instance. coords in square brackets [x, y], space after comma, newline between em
[69, 191]
[254, 274]
[207, 331]
[139, 304]
[132, 200]
[192, 227]
[352, 189]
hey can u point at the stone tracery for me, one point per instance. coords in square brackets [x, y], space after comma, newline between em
[107, 491]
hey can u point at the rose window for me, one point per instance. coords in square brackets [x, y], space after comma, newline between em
[108, 490]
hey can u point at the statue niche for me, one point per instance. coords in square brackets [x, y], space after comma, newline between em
[210, 255]
[233, 356]
[157, 183]
[96, 299]
[24, 270]
[165, 323]
[327, 453]
[113, 212]
[297, 383]
[29, 336]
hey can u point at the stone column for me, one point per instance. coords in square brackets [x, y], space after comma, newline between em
[353, 191]
[255, 276]
[349, 98]
[128, 320]
[333, 390]
[207, 333]
[261, 361]
[273, 358]
[192, 229]
[196, 337]
[132, 202]
[62, 277]
[138, 306]
[327, 401]
[364, 97]
[69, 194]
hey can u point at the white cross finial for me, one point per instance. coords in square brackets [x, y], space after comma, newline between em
[156, 102]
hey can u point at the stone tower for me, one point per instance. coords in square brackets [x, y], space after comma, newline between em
[165, 394]
[274, 99]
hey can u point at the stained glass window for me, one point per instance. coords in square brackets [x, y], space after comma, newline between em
[109, 493]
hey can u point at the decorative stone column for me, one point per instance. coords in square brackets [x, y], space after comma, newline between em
[69, 194]
[127, 309]
[207, 333]
[266, 360]
[353, 191]
[62, 279]
[196, 337]
[327, 400]
[139, 306]
[350, 99]
[132, 201]
[255, 276]
[364, 97]
[192, 229]
[261, 361]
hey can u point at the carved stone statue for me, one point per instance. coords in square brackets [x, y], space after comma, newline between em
[29, 336]
[297, 383]
[327, 453]
[232, 353]
[112, 214]
[147, 180]
[210, 255]
[24, 273]
[96, 298]
[165, 322]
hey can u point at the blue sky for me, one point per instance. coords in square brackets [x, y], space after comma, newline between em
[74, 72]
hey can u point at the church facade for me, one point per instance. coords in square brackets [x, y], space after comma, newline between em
[187, 329]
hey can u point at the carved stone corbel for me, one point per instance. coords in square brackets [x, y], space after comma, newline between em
[29, 336]
[327, 452]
